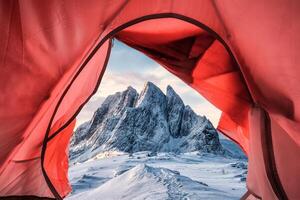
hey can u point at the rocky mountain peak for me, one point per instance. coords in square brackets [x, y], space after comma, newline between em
[151, 94]
[114, 105]
[175, 109]
[149, 121]
[172, 94]
[130, 88]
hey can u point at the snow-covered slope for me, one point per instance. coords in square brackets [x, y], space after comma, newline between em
[152, 146]
[162, 176]
[149, 121]
[232, 149]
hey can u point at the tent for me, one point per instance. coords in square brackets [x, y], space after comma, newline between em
[240, 55]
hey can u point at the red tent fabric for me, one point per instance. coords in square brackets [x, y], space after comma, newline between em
[240, 55]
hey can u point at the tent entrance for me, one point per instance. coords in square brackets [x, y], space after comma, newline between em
[186, 48]
[54, 55]
[172, 47]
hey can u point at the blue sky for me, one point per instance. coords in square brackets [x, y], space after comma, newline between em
[129, 67]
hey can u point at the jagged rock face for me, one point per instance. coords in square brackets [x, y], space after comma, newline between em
[151, 121]
[174, 112]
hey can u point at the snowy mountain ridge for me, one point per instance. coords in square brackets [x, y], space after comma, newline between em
[150, 121]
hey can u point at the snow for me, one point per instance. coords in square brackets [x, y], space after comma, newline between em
[144, 175]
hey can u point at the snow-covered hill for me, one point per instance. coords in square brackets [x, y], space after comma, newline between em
[149, 121]
[162, 176]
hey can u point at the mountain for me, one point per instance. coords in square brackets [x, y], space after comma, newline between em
[149, 121]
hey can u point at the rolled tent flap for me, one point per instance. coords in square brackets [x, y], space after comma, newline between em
[79, 92]
[54, 53]
[56, 160]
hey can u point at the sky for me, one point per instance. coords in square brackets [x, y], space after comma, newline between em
[128, 67]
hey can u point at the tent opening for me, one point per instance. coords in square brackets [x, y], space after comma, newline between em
[185, 51]
[54, 56]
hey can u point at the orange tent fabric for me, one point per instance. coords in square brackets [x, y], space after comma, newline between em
[240, 55]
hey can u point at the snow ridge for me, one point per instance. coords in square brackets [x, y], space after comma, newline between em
[146, 182]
